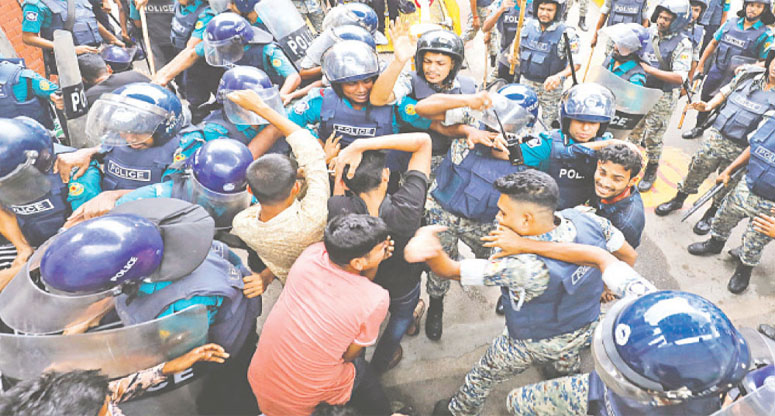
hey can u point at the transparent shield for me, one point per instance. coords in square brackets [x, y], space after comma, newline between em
[224, 53]
[513, 116]
[633, 102]
[238, 115]
[280, 16]
[123, 121]
[24, 185]
[759, 403]
[320, 45]
[115, 352]
[222, 207]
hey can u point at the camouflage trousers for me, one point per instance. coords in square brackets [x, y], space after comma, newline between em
[470, 33]
[651, 130]
[715, 154]
[567, 396]
[583, 6]
[312, 10]
[458, 229]
[507, 357]
[548, 100]
[739, 204]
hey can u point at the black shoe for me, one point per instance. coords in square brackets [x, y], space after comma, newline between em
[548, 372]
[739, 281]
[672, 205]
[711, 246]
[441, 408]
[736, 252]
[583, 24]
[768, 331]
[692, 134]
[649, 177]
[499, 307]
[433, 322]
[703, 225]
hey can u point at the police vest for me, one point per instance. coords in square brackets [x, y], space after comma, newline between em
[712, 15]
[737, 42]
[254, 57]
[214, 277]
[219, 118]
[635, 70]
[626, 11]
[41, 219]
[422, 89]
[127, 168]
[695, 33]
[33, 107]
[159, 14]
[507, 25]
[85, 29]
[572, 297]
[761, 167]
[666, 48]
[604, 402]
[538, 51]
[743, 111]
[575, 177]
[183, 24]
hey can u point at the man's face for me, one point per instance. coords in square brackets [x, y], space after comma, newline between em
[664, 19]
[753, 11]
[546, 12]
[771, 71]
[358, 91]
[436, 67]
[138, 141]
[377, 255]
[517, 216]
[696, 10]
[611, 180]
[583, 131]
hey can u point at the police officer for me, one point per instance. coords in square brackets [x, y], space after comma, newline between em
[624, 60]
[543, 60]
[504, 16]
[310, 69]
[355, 13]
[667, 59]
[614, 12]
[715, 13]
[744, 39]
[25, 93]
[312, 10]
[744, 101]
[120, 59]
[159, 14]
[752, 197]
[546, 323]
[696, 32]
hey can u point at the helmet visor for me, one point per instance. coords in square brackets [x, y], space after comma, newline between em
[23, 185]
[350, 60]
[224, 52]
[238, 115]
[123, 121]
[222, 207]
[512, 115]
[624, 38]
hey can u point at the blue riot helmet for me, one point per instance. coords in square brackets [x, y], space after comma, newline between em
[120, 59]
[357, 14]
[353, 32]
[587, 102]
[349, 61]
[701, 3]
[226, 37]
[667, 347]
[134, 114]
[524, 96]
[26, 156]
[247, 78]
[629, 38]
[681, 11]
[334, 35]
[218, 180]
[245, 6]
[442, 41]
[102, 253]
[558, 15]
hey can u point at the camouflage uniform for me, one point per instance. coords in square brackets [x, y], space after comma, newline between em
[715, 154]
[650, 130]
[526, 275]
[470, 33]
[583, 6]
[741, 203]
[311, 10]
[565, 396]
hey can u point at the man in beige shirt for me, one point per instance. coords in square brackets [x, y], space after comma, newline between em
[282, 225]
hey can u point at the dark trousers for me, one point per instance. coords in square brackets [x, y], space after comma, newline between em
[379, 8]
[368, 396]
[401, 311]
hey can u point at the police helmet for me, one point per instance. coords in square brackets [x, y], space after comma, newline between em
[102, 253]
[701, 3]
[681, 11]
[354, 32]
[668, 346]
[442, 41]
[220, 165]
[226, 36]
[242, 78]
[120, 59]
[558, 15]
[587, 102]
[26, 156]
[134, 113]
[357, 14]
[524, 96]
[629, 38]
[350, 60]
[245, 6]
[766, 17]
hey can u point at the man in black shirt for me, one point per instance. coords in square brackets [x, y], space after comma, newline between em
[98, 77]
[361, 167]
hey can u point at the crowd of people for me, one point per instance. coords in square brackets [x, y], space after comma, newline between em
[340, 150]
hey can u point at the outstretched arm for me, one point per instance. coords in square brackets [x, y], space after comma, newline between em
[435, 106]
[418, 144]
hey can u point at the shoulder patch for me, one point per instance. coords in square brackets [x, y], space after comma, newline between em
[199, 25]
[179, 156]
[301, 107]
[31, 16]
[409, 109]
[46, 85]
[277, 63]
[533, 142]
[75, 189]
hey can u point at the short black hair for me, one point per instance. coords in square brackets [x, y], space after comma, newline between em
[325, 409]
[351, 236]
[530, 186]
[623, 155]
[92, 66]
[80, 392]
[271, 178]
[369, 173]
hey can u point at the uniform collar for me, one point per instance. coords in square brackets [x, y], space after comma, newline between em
[755, 26]
[193, 6]
[626, 65]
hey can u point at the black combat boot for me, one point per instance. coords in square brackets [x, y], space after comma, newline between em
[692, 134]
[441, 408]
[583, 23]
[433, 323]
[649, 177]
[672, 205]
[739, 281]
[703, 225]
[736, 252]
[499, 307]
[712, 246]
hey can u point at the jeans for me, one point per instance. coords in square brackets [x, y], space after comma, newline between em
[368, 396]
[401, 314]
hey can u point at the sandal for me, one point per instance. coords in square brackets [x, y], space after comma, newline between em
[419, 310]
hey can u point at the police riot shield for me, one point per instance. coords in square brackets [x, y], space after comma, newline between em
[758, 403]
[71, 85]
[287, 26]
[221, 206]
[115, 352]
[633, 102]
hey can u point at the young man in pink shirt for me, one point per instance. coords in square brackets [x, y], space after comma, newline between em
[311, 345]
